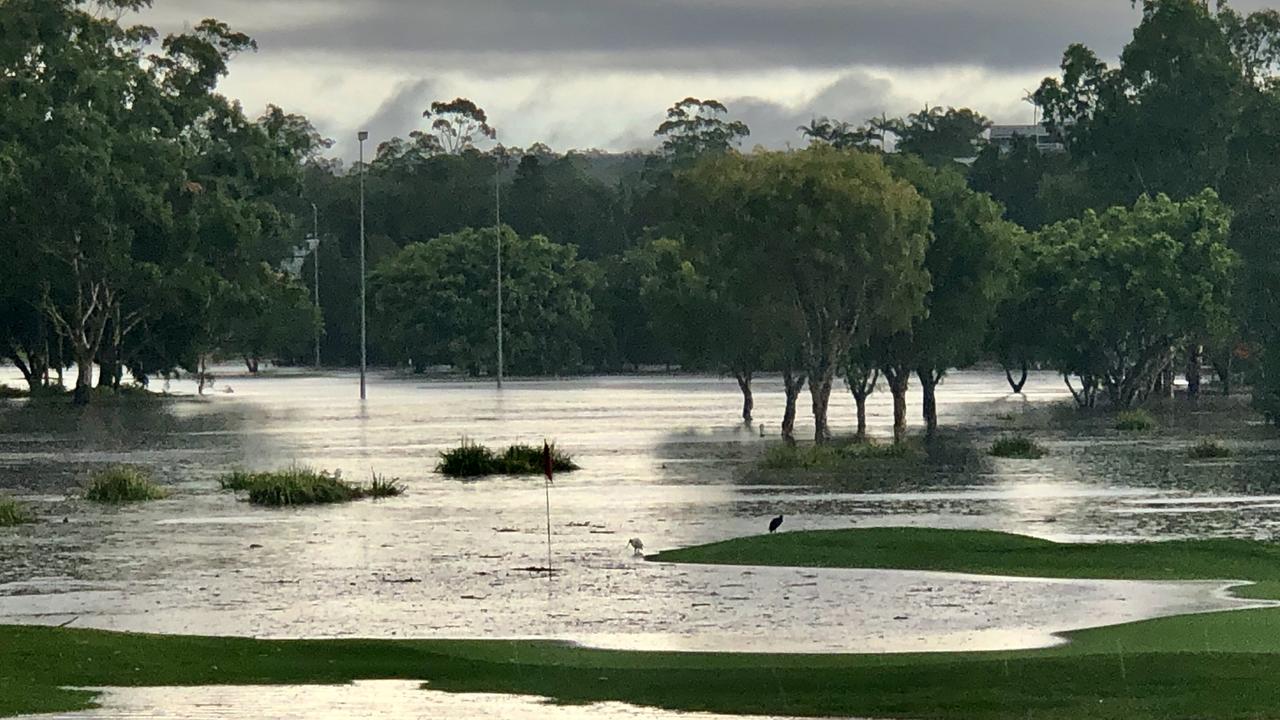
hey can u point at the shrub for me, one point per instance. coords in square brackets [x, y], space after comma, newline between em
[472, 460]
[467, 460]
[1136, 421]
[305, 486]
[13, 513]
[381, 487]
[1017, 446]
[123, 484]
[1209, 449]
[8, 393]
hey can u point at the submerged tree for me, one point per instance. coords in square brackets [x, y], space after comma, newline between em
[1125, 288]
[844, 239]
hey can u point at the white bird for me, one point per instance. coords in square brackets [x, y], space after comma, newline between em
[637, 545]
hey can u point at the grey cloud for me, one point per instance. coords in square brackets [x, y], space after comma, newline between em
[506, 35]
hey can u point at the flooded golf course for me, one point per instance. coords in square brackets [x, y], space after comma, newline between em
[663, 459]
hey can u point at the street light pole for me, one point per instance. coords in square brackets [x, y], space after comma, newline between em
[497, 204]
[315, 263]
[363, 318]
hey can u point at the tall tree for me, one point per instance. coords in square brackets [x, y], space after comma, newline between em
[942, 136]
[457, 126]
[843, 237]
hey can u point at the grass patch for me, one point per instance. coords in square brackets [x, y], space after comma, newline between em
[471, 460]
[1207, 666]
[993, 553]
[1208, 450]
[13, 513]
[123, 484]
[1018, 447]
[833, 455]
[300, 485]
[1136, 421]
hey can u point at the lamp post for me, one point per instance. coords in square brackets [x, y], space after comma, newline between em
[315, 264]
[362, 136]
[497, 212]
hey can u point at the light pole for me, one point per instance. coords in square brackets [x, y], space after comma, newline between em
[315, 263]
[363, 135]
[497, 212]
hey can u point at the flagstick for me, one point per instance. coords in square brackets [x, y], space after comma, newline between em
[547, 485]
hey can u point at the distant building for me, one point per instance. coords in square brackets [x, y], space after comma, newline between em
[1002, 136]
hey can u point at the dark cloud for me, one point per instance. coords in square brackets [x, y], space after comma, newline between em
[497, 35]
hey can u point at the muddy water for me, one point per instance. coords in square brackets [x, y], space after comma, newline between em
[663, 460]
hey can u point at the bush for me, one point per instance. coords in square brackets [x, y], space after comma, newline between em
[305, 486]
[1208, 450]
[1136, 421]
[8, 393]
[1019, 447]
[472, 460]
[13, 513]
[381, 487]
[123, 484]
[467, 460]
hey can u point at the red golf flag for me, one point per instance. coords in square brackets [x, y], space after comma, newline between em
[548, 466]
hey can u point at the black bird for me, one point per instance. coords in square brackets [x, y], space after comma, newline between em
[775, 523]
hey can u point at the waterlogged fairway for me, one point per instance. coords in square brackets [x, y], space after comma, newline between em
[1221, 665]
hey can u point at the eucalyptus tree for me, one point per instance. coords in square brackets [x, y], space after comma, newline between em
[843, 239]
[1125, 288]
[968, 262]
[456, 126]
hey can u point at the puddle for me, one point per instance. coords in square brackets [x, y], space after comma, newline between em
[358, 701]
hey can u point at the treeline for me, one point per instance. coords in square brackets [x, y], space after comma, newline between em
[143, 215]
[1140, 244]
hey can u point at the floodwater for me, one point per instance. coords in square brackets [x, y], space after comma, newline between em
[358, 701]
[664, 459]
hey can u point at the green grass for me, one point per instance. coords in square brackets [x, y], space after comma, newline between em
[1018, 447]
[992, 553]
[123, 484]
[299, 485]
[14, 513]
[1219, 665]
[1136, 421]
[1209, 450]
[471, 460]
[832, 455]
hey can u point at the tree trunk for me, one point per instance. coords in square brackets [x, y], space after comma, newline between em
[899, 381]
[1223, 371]
[793, 384]
[1194, 354]
[929, 380]
[748, 401]
[1021, 382]
[862, 384]
[820, 393]
[251, 363]
[84, 379]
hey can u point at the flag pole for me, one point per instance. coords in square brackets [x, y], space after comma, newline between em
[548, 468]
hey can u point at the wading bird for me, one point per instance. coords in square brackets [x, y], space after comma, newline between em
[636, 545]
[775, 523]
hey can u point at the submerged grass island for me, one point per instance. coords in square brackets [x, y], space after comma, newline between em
[472, 460]
[306, 486]
[1217, 665]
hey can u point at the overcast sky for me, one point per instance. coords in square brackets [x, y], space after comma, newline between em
[600, 73]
